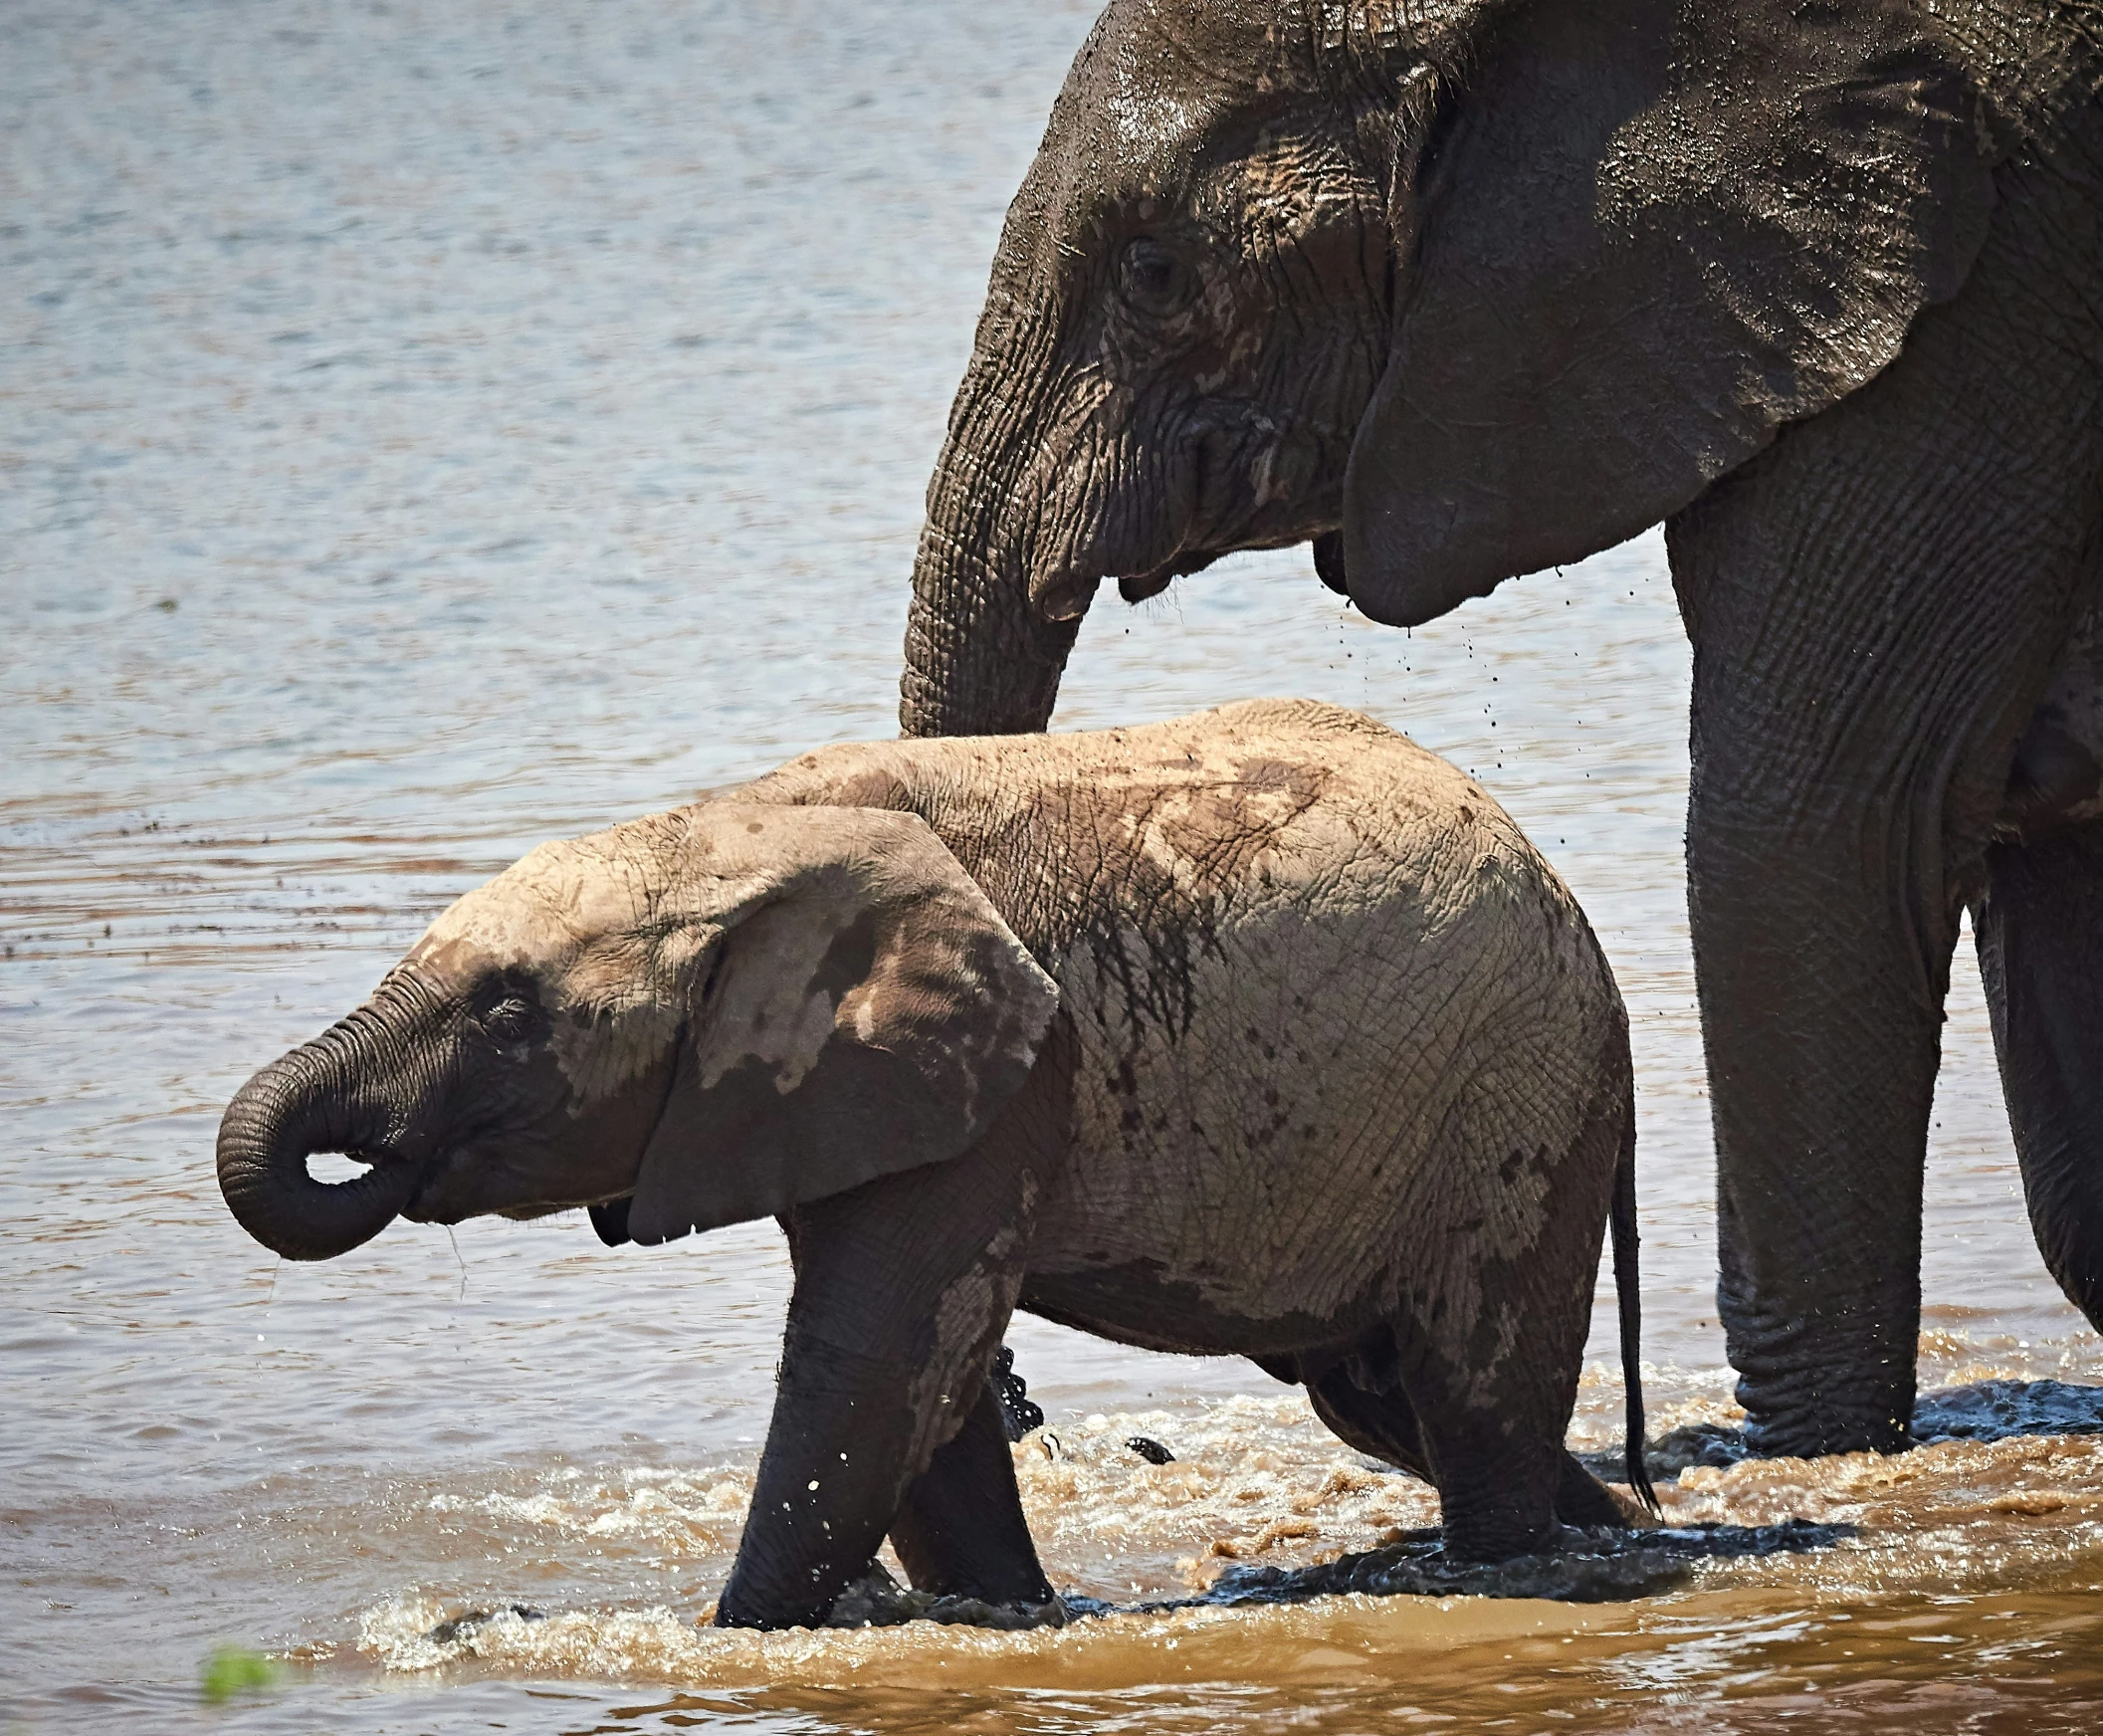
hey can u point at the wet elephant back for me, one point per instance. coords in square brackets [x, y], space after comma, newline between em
[1337, 1048]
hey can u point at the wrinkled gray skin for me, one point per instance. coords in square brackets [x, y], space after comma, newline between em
[1465, 288]
[1260, 1032]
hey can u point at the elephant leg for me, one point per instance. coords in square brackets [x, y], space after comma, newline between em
[1875, 604]
[903, 1289]
[1500, 1489]
[1496, 1477]
[1379, 1423]
[1823, 923]
[1582, 1499]
[961, 1530]
[1382, 1426]
[2041, 949]
[1828, 853]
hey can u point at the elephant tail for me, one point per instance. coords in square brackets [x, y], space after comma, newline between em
[1628, 1294]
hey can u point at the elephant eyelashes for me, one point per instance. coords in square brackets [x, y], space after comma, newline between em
[1154, 281]
[511, 1019]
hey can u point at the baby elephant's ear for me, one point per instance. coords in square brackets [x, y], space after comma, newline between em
[866, 1010]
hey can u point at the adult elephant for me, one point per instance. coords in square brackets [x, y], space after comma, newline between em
[1464, 289]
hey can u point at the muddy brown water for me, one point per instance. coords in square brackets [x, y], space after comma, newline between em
[426, 428]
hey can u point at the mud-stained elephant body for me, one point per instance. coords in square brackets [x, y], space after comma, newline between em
[1459, 291]
[1263, 1032]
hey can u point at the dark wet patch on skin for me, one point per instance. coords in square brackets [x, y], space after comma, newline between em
[1143, 1303]
[848, 960]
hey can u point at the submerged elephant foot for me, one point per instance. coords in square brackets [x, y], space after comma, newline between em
[1597, 1565]
[1983, 1410]
[1820, 1436]
[1996, 1410]
[1813, 1390]
[458, 1628]
[876, 1599]
[1692, 1443]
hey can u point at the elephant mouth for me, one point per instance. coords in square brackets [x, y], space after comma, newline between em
[1231, 509]
[482, 1178]
[444, 1181]
[398, 1173]
[1138, 587]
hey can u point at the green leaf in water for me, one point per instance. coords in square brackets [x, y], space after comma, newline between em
[232, 1670]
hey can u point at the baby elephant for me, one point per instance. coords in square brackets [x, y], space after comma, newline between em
[1260, 1032]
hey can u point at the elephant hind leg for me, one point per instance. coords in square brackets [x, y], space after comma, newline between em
[1377, 1423]
[1501, 1492]
[2040, 950]
[1582, 1499]
[960, 1530]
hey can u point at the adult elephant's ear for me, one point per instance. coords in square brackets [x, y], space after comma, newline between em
[859, 1008]
[1645, 234]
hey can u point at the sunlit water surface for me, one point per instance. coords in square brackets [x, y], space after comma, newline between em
[431, 427]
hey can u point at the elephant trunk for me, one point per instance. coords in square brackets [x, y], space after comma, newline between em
[982, 659]
[305, 1102]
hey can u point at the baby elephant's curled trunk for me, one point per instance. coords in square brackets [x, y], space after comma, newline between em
[297, 1106]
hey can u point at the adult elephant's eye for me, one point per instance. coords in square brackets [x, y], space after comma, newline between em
[1154, 281]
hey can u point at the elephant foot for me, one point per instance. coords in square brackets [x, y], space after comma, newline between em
[1784, 1431]
[1984, 1410]
[1591, 1565]
[1582, 1498]
[458, 1628]
[1715, 1444]
[1692, 1443]
[1814, 1386]
[876, 1599]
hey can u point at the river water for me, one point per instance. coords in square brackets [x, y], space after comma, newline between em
[434, 426]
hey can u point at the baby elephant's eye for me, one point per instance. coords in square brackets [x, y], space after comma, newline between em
[509, 1020]
[1153, 280]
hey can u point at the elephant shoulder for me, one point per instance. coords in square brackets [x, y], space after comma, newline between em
[872, 774]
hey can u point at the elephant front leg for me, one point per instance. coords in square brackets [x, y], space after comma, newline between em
[830, 1478]
[960, 1530]
[903, 1289]
[1838, 794]
[1876, 604]
[2040, 950]
[1820, 1019]
[1843, 791]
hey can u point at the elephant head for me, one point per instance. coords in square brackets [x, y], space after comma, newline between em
[714, 1014]
[1456, 289]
